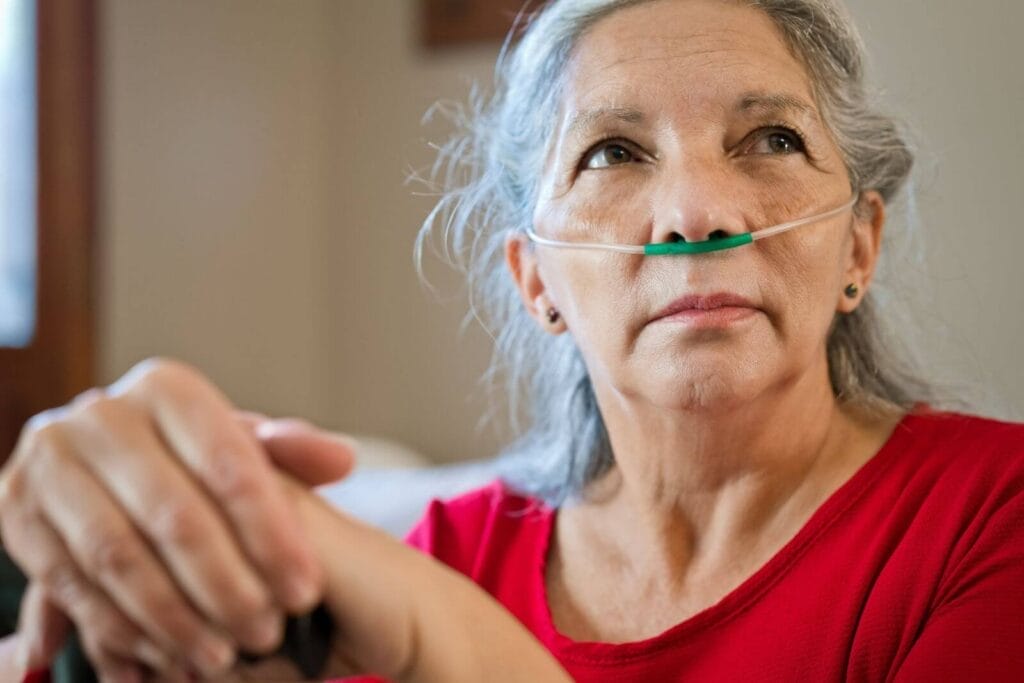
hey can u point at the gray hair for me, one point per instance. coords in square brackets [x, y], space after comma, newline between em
[489, 175]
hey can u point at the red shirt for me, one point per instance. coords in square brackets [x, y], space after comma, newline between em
[913, 570]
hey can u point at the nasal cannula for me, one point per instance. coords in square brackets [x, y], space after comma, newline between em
[674, 248]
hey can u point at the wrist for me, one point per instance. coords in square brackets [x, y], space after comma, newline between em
[462, 634]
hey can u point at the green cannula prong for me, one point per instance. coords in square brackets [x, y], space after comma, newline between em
[669, 248]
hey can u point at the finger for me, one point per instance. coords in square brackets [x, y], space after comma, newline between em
[57, 581]
[251, 419]
[43, 627]
[12, 667]
[44, 630]
[102, 549]
[184, 527]
[110, 668]
[198, 424]
[312, 456]
[368, 592]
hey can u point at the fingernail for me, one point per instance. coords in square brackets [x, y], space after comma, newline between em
[302, 593]
[266, 631]
[349, 441]
[213, 655]
[267, 429]
[282, 427]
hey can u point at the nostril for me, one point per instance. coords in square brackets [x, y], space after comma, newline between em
[716, 235]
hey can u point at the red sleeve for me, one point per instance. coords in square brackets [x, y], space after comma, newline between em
[976, 633]
[451, 530]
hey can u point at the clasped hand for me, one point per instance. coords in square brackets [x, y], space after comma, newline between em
[175, 531]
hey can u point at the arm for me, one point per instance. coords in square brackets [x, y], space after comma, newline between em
[404, 615]
[155, 521]
[409, 617]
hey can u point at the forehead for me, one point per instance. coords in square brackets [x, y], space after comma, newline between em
[689, 53]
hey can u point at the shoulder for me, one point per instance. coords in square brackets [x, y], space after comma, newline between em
[957, 463]
[958, 479]
[962, 497]
[965, 427]
[959, 444]
[459, 530]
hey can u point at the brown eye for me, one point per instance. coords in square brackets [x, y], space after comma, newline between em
[609, 154]
[778, 141]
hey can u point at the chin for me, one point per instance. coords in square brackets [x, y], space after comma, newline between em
[704, 391]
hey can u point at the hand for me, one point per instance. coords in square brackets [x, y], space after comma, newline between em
[404, 615]
[151, 515]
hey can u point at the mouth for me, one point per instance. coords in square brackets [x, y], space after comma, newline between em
[708, 310]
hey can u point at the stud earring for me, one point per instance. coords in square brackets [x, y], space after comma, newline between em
[553, 315]
[851, 291]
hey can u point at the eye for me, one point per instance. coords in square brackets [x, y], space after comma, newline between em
[607, 154]
[777, 140]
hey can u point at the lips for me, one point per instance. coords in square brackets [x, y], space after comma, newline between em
[705, 302]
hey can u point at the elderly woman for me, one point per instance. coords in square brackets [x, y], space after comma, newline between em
[728, 477]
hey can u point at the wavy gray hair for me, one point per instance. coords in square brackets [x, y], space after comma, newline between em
[489, 174]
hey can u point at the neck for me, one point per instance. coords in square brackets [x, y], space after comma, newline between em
[699, 488]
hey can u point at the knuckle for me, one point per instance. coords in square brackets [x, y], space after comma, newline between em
[112, 554]
[102, 410]
[65, 585]
[13, 487]
[43, 433]
[88, 396]
[162, 372]
[177, 524]
[108, 627]
[230, 475]
[41, 453]
[175, 626]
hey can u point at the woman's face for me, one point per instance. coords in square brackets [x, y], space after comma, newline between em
[680, 119]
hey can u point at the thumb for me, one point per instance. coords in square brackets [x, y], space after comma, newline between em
[42, 629]
[311, 455]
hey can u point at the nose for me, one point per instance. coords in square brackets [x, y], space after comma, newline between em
[694, 203]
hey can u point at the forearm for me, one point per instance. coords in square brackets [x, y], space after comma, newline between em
[403, 614]
[467, 636]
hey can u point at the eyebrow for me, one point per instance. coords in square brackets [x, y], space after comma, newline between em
[748, 103]
[587, 118]
[769, 103]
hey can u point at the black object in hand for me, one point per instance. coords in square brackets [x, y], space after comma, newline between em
[307, 642]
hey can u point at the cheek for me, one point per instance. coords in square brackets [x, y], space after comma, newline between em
[598, 297]
[802, 279]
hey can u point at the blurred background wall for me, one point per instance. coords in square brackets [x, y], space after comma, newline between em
[255, 220]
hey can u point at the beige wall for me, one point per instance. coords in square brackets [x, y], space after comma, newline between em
[255, 221]
[953, 70]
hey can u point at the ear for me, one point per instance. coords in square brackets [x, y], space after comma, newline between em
[864, 248]
[522, 265]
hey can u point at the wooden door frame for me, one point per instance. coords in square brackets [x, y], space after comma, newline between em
[60, 361]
